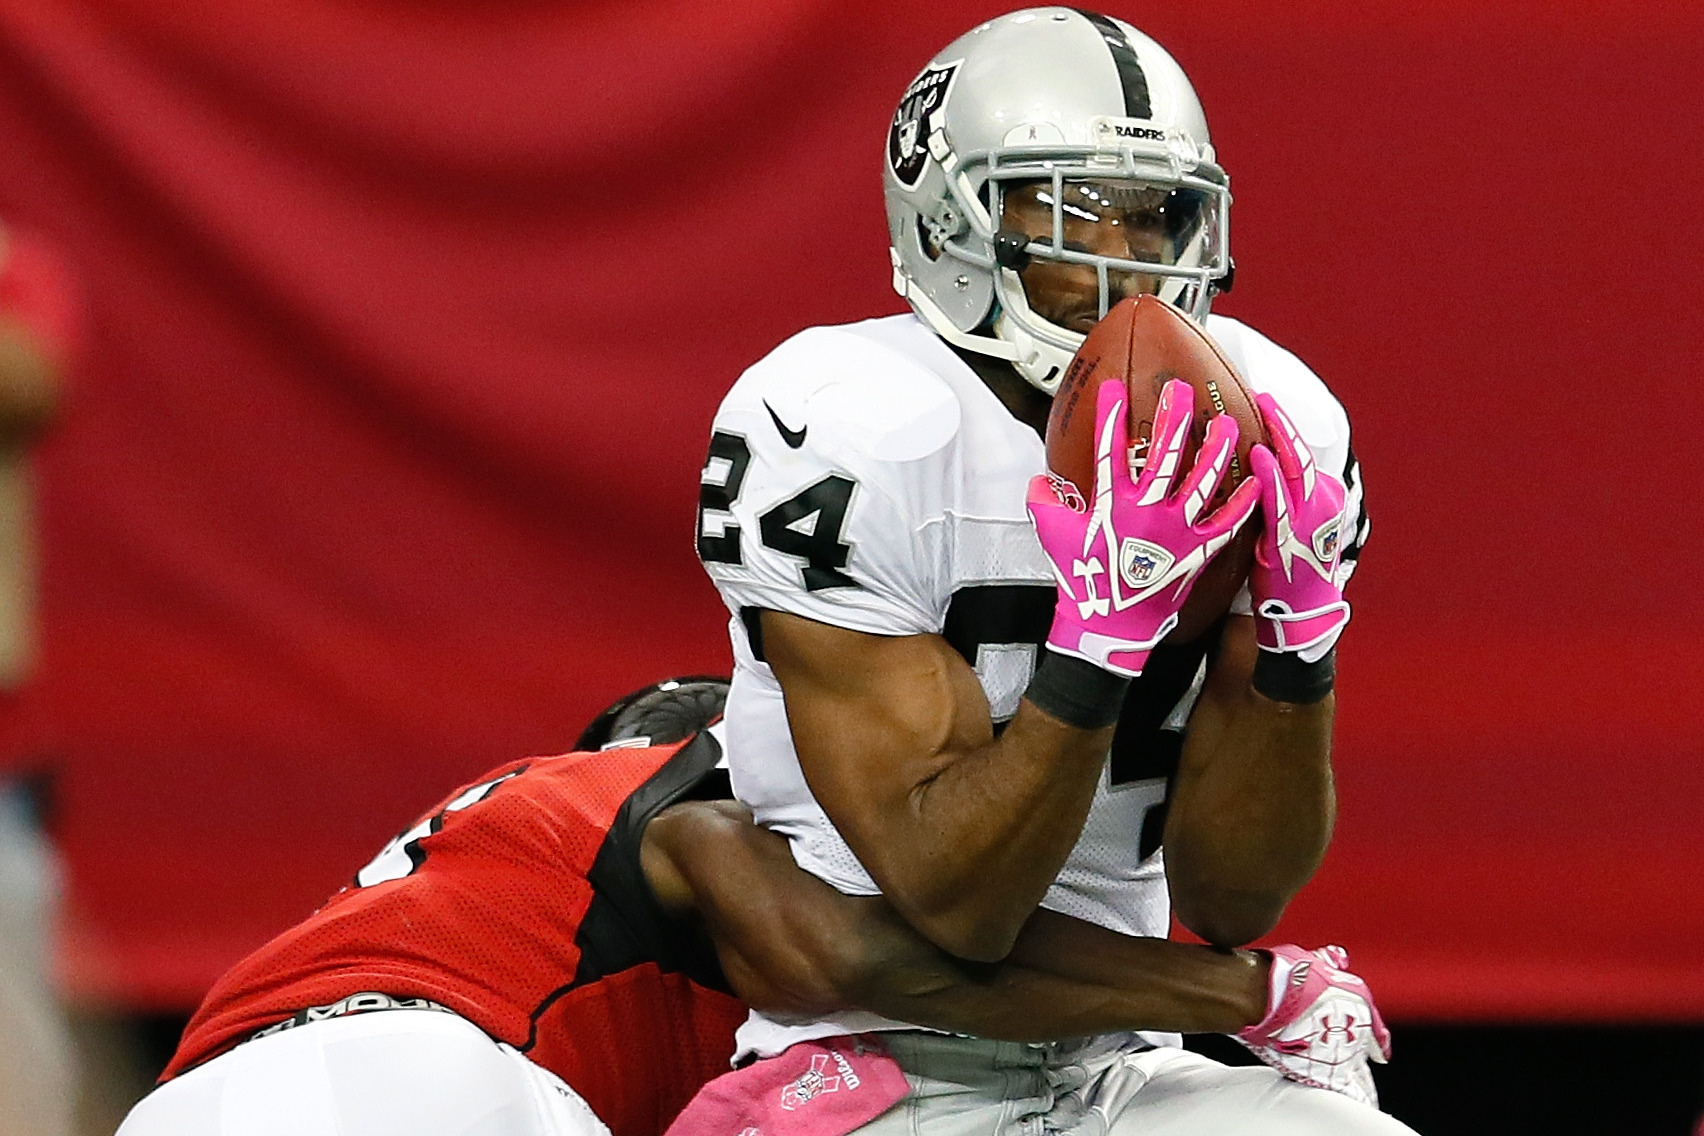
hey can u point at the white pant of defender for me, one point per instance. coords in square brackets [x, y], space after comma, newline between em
[394, 1073]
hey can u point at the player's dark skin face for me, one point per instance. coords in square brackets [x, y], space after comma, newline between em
[1069, 294]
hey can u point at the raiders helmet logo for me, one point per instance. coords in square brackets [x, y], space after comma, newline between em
[908, 137]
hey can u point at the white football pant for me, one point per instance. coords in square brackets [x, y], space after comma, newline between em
[391, 1073]
[972, 1087]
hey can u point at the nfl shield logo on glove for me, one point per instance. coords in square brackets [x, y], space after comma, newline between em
[1140, 562]
[1326, 538]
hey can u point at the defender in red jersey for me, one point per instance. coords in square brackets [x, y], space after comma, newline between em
[519, 904]
[556, 946]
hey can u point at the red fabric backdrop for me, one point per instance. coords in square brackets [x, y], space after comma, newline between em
[407, 321]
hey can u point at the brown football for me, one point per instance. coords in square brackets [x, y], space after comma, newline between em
[1143, 343]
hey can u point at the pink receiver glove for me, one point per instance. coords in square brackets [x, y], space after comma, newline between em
[1298, 600]
[1321, 1026]
[1125, 564]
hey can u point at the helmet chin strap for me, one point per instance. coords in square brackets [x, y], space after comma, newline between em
[1041, 364]
[1039, 360]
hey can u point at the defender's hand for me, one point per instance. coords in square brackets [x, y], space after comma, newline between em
[1295, 584]
[1125, 563]
[1321, 1027]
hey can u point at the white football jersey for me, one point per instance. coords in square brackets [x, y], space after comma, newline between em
[864, 476]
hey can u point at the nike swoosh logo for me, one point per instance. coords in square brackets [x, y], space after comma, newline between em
[793, 438]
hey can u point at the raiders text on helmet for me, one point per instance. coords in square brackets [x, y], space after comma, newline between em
[1087, 117]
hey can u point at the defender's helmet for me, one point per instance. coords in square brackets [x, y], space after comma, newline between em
[659, 714]
[1061, 111]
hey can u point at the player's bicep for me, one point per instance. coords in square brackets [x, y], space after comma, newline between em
[874, 718]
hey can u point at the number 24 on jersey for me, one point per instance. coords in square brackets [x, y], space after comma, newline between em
[806, 526]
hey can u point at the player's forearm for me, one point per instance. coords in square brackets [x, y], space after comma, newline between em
[1153, 983]
[1251, 813]
[961, 830]
[989, 833]
[1019, 1004]
[1253, 805]
[794, 947]
[1066, 978]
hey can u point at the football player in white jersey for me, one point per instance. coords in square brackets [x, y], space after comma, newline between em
[924, 704]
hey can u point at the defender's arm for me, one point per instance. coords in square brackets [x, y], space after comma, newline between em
[793, 946]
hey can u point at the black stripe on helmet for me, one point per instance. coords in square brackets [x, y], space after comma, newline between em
[1130, 74]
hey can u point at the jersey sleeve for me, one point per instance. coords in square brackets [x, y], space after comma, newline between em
[822, 495]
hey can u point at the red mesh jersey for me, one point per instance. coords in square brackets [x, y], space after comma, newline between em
[518, 902]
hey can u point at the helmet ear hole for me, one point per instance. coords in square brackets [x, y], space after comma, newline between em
[926, 239]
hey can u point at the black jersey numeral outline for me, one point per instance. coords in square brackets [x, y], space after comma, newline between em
[984, 618]
[808, 525]
[719, 496]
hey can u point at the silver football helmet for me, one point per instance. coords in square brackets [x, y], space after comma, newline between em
[1051, 145]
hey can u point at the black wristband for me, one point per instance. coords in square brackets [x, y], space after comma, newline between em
[1077, 692]
[1283, 677]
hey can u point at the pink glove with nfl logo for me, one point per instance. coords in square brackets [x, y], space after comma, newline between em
[1321, 1026]
[1298, 597]
[1125, 563]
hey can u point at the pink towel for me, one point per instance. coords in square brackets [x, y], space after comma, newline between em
[815, 1088]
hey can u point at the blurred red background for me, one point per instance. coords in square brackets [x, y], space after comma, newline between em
[406, 323]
